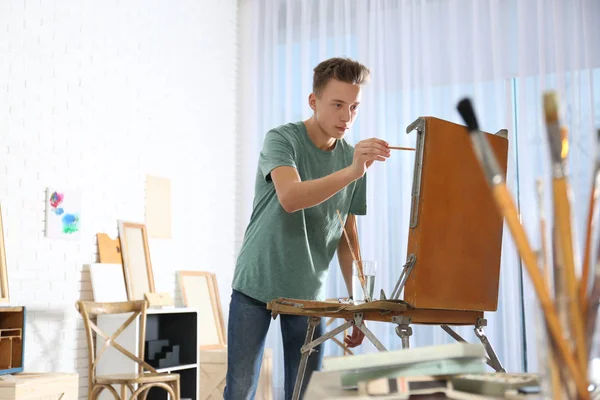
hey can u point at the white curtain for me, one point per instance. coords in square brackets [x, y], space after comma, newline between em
[424, 56]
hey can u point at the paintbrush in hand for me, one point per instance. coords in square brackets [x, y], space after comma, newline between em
[400, 148]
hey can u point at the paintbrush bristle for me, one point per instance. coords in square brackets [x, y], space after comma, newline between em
[551, 106]
[564, 144]
[466, 111]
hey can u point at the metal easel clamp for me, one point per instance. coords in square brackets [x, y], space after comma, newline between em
[420, 126]
[406, 270]
[358, 319]
[403, 329]
[401, 320]
[479, 324]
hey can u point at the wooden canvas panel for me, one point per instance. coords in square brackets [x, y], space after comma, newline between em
[137, 266]
[199, 290]
[109, 250]
[457, 239]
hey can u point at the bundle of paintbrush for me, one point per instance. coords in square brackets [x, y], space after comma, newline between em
[569, 306]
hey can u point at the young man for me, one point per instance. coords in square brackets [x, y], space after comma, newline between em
[306, 172]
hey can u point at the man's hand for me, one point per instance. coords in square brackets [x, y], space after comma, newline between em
[366, 152]
[355, 339]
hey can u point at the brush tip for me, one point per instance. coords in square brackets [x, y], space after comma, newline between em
[465, 109]
[551, 106]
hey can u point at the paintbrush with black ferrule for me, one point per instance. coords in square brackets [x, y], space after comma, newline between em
[508, 209]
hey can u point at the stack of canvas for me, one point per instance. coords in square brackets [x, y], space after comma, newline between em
[451, 359]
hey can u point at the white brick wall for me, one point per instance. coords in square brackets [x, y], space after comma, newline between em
[94, 95]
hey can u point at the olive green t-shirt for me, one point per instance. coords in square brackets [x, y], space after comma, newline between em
[288, 254]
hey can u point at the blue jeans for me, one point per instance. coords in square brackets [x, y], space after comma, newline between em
[248, 324]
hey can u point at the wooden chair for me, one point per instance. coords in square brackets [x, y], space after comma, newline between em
[143, 380]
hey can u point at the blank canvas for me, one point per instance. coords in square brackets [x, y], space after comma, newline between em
[108, 282]
[158, 207]
[199, 291]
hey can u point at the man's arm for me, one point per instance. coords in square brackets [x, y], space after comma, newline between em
[344, 255]
[295, 194]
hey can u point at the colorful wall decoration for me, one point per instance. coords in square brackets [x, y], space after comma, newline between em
[63, 214]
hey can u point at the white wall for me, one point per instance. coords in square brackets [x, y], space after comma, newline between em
[94, 95]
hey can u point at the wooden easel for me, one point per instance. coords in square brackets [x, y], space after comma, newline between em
[453, 260]
[455, 227]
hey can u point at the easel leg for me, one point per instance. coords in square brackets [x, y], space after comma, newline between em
[312, 324]
[459, 338]
[307, 348]
[495, 362]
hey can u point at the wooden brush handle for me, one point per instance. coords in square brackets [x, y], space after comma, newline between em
[563, 218]
[361, 276]
[557, 390]
[585, 270]
[508, 209]
[400, 148]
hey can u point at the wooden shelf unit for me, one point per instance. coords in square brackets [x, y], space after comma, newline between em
[12, 328]
[178, 325]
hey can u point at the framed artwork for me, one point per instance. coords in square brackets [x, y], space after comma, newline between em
[137, 268]
[63, 214]
[4, 295]
[199, 290]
